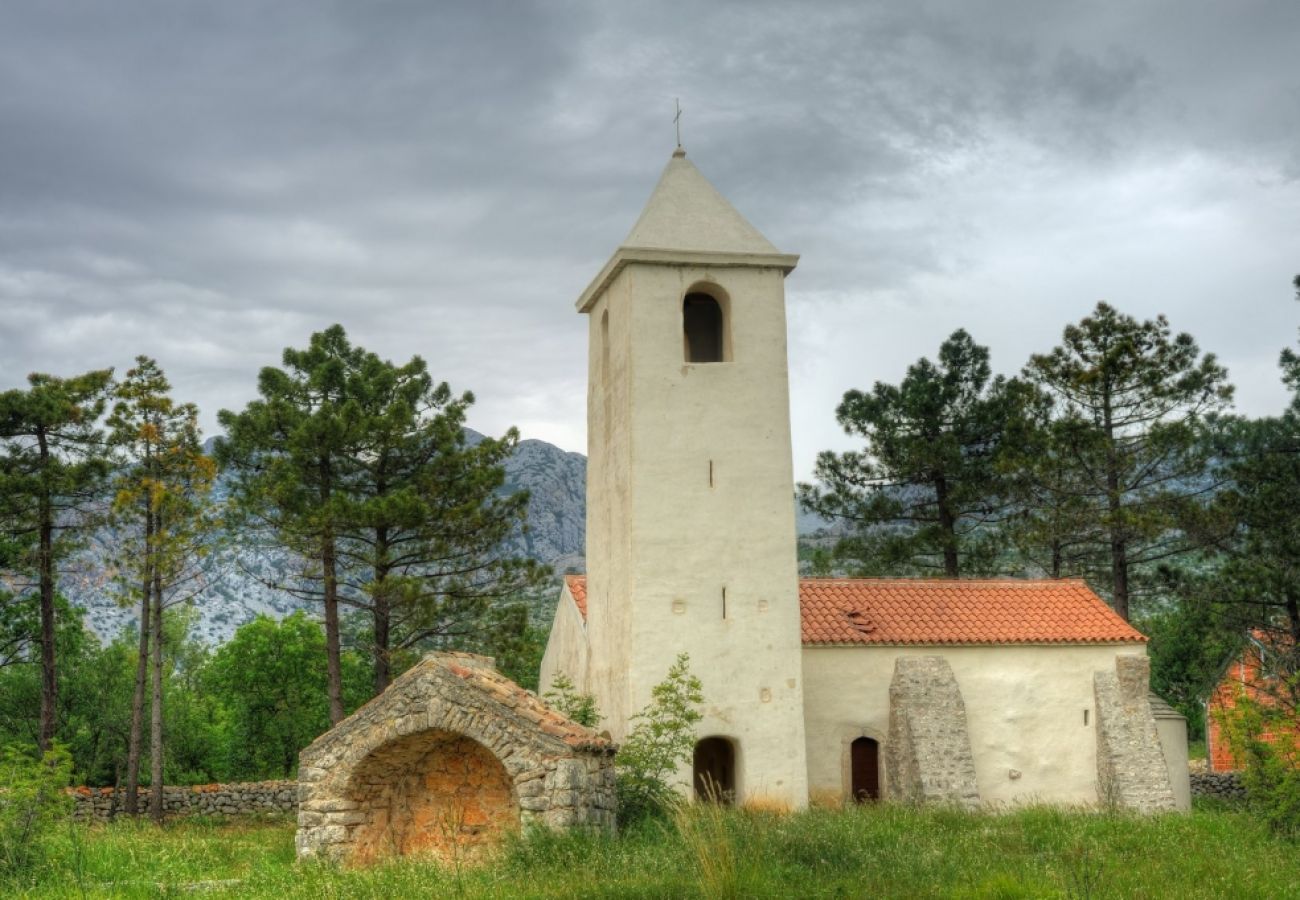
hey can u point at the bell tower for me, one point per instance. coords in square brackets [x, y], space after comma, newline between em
[690, 510]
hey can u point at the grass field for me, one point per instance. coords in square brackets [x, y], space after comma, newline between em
[871, 852]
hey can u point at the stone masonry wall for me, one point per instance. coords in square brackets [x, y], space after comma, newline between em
[928, 754]
[1131, 768]
[242, 799]
[1223, 785]
[448, 758]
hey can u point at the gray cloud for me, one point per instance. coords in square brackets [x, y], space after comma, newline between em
[210, 183]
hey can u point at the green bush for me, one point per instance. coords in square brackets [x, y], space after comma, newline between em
[1271, 768]
[662, 738]
[564, 697]
[33, 803]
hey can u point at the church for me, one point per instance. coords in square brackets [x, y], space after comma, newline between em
[973, 693]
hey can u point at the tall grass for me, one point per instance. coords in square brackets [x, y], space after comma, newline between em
[710, 851]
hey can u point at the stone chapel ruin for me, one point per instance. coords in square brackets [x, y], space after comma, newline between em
[450, 757]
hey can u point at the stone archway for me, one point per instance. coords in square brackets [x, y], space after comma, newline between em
[445, 761]
[431, 792]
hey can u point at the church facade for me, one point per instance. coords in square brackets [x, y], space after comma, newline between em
[968, 692]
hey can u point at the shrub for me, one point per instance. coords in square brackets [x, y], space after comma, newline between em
[32, 803]
[564, 696]
[1264, 740]
[662, 738]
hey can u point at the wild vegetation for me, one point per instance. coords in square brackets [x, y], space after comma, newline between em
[880, 851]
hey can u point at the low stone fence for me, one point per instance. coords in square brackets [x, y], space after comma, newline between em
[247, 798]
[1223, 785]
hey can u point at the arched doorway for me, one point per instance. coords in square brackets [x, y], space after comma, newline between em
[431, 792]
[864, 770]
[715, 771]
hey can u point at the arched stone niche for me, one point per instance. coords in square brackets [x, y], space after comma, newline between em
[446, 761]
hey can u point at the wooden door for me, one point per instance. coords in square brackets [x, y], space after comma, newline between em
[864, 762]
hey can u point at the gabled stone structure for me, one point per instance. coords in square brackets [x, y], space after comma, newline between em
[1131, 769]
[452, 755]
[929, 753]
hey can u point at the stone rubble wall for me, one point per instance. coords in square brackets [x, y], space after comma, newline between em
[374, 782]
[1131, 768]
[240, 799]
[928, 754]
[1222, 785]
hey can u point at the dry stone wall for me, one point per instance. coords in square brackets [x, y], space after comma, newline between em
[452, 755]
[928, 754]
[1131, 768]
[242, 799]
[1221, 785]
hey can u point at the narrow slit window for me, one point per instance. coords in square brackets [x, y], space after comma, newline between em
[703, 328]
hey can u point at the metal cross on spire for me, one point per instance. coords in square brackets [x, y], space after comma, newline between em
[677, 120]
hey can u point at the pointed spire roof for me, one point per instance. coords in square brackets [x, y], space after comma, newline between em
[686, 221]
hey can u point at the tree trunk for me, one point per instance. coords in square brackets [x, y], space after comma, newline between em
[382, 612]
[45, 564]
[136, 737]
[1115, 509]
[947, 528]
[329, 571]
[156, 719]
[333, 662]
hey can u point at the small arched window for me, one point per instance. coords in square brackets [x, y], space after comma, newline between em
[704, 328]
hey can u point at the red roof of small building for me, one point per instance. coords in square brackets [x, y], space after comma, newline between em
[947, 611]
[578, 588]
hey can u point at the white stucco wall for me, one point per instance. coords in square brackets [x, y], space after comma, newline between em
[1173, 742]
[663, 543]
[1024, 708]
[566, 647]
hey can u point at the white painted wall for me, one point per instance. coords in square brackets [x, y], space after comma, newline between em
[663, 544]
[1173, 742]
[1024, 710]
[566, 647]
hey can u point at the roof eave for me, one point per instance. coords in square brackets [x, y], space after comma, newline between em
[663, 257]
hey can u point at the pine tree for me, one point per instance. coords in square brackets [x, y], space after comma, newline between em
[52, 468]
[427, 520]
[291, 453]
[927, 490]
[165, 524]
[1131, 400]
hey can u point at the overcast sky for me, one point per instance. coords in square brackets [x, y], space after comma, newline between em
[208, 183]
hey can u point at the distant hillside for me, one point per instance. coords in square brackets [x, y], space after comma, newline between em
[236, 578]
[236, 588]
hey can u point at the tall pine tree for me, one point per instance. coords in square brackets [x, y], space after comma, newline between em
[1131, 400]
[927, 490]
[53, 464]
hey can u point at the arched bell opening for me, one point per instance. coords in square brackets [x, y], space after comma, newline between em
[706, 336]
[433, 792]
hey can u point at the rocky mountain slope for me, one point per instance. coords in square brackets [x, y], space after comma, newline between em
[237, 580]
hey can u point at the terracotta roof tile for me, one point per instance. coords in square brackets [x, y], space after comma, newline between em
[957, 611]
[929, 611]
[578, 588]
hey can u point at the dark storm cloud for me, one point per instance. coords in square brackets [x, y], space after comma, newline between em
[210, 183]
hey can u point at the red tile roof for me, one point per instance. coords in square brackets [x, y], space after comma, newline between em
[933, 611]
[578, 588]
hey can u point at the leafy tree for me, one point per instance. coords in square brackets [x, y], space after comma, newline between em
[426, 519]
[164, 524]
[1131, 399]
[291, 452]
[52, 467]
[927, 488]
[269, 677]
[661, 741]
